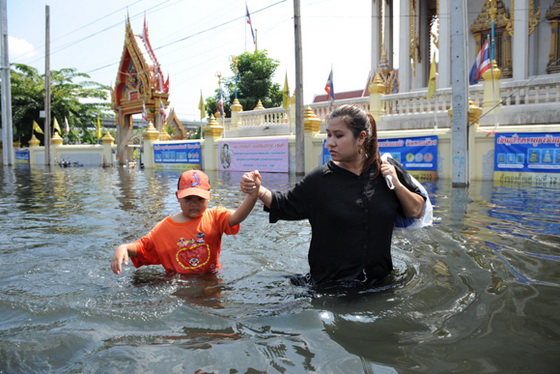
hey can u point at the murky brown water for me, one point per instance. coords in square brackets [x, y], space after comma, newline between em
[477, 292]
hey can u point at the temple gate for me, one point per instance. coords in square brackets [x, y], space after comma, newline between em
[139, 88]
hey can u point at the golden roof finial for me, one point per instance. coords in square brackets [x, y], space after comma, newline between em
[235, 61]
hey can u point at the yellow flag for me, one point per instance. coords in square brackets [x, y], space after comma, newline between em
[286, 94]
[202, 106]
[98, 128]
[36, 128]
[57, 127]
[432, 81]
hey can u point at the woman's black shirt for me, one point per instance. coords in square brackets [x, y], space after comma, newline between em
[351, 219]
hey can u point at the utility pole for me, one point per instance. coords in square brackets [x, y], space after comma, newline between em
[459, 89]
[300, 148]
[7, 131]
[47, 88]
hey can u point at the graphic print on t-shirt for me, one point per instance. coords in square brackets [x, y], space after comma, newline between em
[192, 254]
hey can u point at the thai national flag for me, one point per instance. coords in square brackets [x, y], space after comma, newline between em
[481, 64]
[162, 111]
[330, 88]
[250, 24]
[144, 113]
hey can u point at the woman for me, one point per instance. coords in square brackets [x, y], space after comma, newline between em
[347, 202]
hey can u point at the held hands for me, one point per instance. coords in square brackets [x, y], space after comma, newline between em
[251, 182]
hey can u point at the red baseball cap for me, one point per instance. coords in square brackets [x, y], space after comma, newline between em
[193, 183]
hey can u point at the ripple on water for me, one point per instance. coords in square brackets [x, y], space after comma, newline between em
[475, 292]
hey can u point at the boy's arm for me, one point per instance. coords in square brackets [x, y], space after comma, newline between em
[122, 253]
[247, 205]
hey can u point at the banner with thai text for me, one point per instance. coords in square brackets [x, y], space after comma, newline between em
[418, 155]
[527, 157]
[22, 155]
[270, 155]
[527, 152]
[177, 153]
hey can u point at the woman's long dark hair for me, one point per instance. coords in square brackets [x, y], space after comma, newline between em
[359, 120]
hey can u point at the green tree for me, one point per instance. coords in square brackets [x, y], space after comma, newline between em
[73, 96]
[253, 79]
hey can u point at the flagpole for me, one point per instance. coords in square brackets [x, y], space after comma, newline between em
[47, 88]
[493, 11]
[300, 150]
[7, 123]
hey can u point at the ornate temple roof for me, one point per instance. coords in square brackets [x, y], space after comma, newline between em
[140, 80]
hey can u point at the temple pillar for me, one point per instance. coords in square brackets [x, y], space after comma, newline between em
[34, 142]
[387, 30]
[149, 138]
[376, 41]
[260, 117]
[107, 141]
[124, 132]
[212, 133]
[520, 44]
[235, 108]
[311, 125]
[444, 48]
[492, 96]
[376, 90]
[56, 140]
[475, 165]
[404, 47]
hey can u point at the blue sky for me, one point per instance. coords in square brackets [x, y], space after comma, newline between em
[194, 40]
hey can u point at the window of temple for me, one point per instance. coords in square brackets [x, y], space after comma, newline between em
[553, 16]
[494, 11]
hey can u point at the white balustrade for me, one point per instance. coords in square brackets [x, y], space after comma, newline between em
[533, 91]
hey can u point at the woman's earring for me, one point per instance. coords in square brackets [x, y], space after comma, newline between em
[359, 150]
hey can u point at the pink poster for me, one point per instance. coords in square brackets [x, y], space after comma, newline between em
[269, 155]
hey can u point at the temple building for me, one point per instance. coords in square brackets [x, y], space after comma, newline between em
[406, 35]
[140, 87]
[525, 32]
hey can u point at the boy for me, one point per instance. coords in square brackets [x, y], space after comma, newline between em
[189, 241]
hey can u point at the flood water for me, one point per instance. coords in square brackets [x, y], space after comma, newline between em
[477, 292]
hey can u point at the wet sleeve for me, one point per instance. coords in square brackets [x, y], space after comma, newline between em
[146, 251]
[289, 205]
[405, 177]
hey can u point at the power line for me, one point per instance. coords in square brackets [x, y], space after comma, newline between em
[192, 35]
[72, 43]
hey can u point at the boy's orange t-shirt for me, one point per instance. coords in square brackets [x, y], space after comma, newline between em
[188, 247]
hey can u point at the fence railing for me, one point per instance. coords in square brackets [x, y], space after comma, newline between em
[537, 90]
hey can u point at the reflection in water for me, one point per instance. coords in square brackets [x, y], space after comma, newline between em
[476, 292]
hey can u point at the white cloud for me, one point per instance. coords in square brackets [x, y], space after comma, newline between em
[20, 49]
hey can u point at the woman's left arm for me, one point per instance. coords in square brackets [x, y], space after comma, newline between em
[411, 202]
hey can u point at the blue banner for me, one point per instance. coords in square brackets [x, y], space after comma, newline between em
[527, 152]
[419, 153]
[22, 155]
[177, 153]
